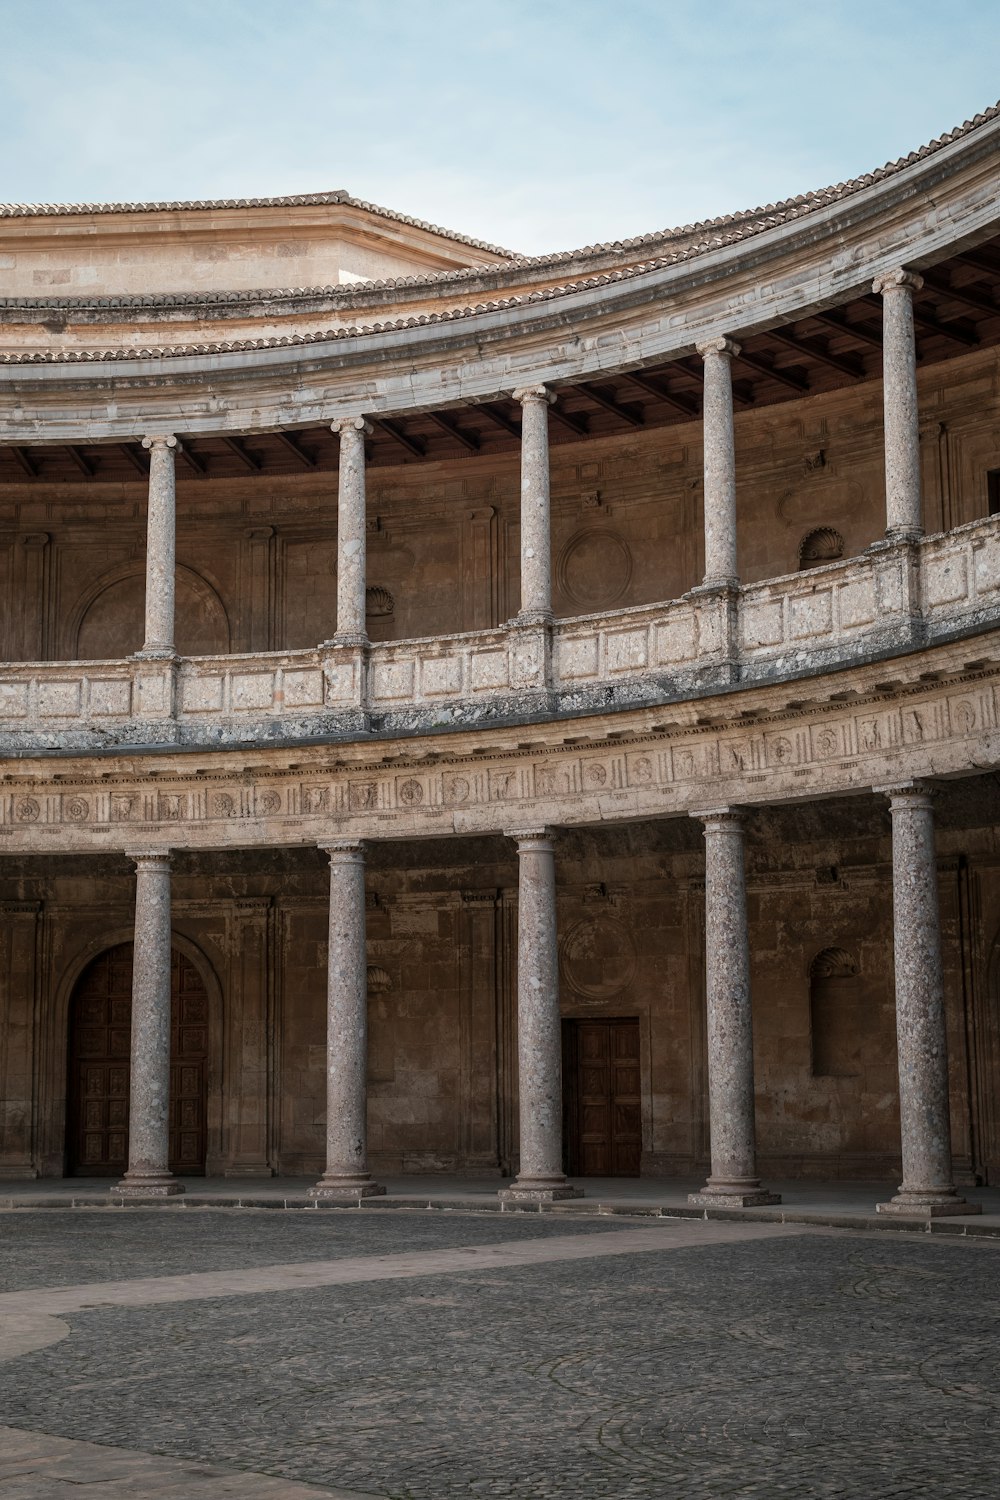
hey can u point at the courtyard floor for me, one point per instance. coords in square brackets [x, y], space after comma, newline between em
[423, 1355]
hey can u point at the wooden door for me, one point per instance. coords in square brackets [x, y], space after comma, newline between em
[100, 1037]
[603, 1115]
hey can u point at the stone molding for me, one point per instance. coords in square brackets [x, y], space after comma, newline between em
[637, 764]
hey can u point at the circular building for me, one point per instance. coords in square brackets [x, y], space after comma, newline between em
[509, 716]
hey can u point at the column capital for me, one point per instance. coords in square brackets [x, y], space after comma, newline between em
[150, 858]
[344, 851]
[721, 345]
[916, 793]
[899, 277]
[731, 817]
[527, 393]
[160, 440]
[531, 838]
[351, 424]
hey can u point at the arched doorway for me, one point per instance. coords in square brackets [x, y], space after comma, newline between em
[99, 1037]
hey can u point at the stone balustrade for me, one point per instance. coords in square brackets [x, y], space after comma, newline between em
[894, 597]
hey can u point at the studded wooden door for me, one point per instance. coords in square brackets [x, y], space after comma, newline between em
[602, 1113]
[100, 1034]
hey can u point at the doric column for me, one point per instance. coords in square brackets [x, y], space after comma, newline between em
[928, 1188]
[536, 547]
[346, 1174]
[903, 519]
[539, 1027]
[161, 525]
[351, 532]
[733, 1181]
[148, 1173]
[720, 463]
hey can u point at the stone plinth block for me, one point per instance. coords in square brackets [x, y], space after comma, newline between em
[345, 1190]
[752, 1198]
[525, 1193]
[929, 1206]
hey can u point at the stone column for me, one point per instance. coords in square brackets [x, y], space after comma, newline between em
[720, 464]
[927, 1189]
[539, 1027]
[733, 1182]
[903, 517]
[351, 532]
[148, 1174]
[346, 1174]
[536, 547]
[161, 524]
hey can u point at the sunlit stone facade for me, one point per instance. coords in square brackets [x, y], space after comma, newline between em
[534, 718]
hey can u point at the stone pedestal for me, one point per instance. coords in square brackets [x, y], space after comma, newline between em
[903, 517]
[148, 1174]
[928, 1187]
[536, 547]
[347, 1175]
[733, 1182]
[161, 524]
[539, 1028]
[351, 533]
[720, 464]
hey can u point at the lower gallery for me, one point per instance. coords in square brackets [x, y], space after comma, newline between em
[248, 970]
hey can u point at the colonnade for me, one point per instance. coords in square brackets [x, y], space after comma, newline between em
[902, 484]
[927, 1187]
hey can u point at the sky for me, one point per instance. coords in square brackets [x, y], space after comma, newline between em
[534, 124]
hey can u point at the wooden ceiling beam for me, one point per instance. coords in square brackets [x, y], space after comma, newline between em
[844, 364]
[513, 428]
[81, 461]
[682, 403]
[291, 445]
[967, 296]
[603, 398]
[413, 446]
[193, 460]
[575, 422]
[136, 458]
[865, 333]
[238, 448]
[979, 260]
[925, 319]
[764, 367]
[448, 425]
[25, 462]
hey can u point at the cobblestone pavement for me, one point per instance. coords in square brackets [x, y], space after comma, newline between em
[736, 1361]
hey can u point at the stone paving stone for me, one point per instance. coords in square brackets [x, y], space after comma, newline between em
[811, 1365]
[61, 1248]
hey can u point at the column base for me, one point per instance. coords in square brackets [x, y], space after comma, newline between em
[917, 1205]
[346, 1189]
[348, 639]
[733, 1195]
[155, 1185]
[545, 1190]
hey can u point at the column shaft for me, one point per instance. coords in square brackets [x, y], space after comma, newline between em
[536, 545]
[899, 393]
[720, 464]
[351, 533]
[148, 1173]
[733, 1180]
[347, 1174]
[539, 1026]
[161, 523]
[921, 1036]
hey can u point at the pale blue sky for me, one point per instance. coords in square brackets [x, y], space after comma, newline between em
[537, 124]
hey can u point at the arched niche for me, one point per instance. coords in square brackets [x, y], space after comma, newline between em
[109, 620]
[834, 1000]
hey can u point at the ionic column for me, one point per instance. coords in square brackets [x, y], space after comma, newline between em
[928, 1188]
[347, 1174]
[351, 532]
[539, 1027]
[720, 463]
[161, 525]
[903, 518]
[733, 1181]
[148, 1173]
[536, 546]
